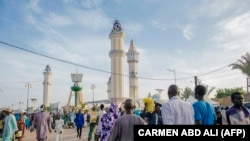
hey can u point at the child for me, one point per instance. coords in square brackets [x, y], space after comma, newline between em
[59, 128]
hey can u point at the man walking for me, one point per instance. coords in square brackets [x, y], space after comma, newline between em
[79, 122]
[123, 129]
[177, 111]
[59, 127]
[42, 124]
[10, 125]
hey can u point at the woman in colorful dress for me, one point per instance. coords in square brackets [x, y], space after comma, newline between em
[107, 122]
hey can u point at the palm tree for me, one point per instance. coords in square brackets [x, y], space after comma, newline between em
[186, 93]
[243, 64]
[209, 91]
[80, 106]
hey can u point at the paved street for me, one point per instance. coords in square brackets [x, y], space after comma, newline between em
[68, 135]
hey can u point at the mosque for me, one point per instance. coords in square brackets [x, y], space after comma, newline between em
[115, 84]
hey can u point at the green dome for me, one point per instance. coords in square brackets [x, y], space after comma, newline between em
[76, 88]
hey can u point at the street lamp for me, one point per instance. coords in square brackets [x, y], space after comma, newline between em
[173, 70]
[93, 88]
[13, 105]
[28, 85]
[20, 105]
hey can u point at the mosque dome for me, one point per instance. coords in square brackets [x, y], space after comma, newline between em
[156, 97]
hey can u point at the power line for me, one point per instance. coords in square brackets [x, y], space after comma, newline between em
[75, 64]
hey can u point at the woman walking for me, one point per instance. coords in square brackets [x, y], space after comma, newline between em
[21, 125]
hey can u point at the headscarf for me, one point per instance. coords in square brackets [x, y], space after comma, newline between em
[108, 120]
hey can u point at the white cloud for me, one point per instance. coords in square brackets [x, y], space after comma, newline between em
[234, 33]
[187, 32]
[213, 8]
[237, 26]
[42, 27]
[159, 25]
[34, 5]
[132, 27]
[57, 20]
[91, 3]
[94, 19]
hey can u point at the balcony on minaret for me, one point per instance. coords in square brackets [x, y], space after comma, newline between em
[116, 27]
[132, 74]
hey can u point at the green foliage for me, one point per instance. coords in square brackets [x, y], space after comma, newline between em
[228, 91]
[243, 64]
[186, 93]
[48, 108]
[80, 106]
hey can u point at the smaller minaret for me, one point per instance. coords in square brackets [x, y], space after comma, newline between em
[46, 86]
[109, 88]
[132, 59]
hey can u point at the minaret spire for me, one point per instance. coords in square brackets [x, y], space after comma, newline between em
[132, 59]
[47, 85]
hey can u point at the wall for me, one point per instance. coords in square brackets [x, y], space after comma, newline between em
[226, 101]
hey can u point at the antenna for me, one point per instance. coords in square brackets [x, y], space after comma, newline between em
[76, 68]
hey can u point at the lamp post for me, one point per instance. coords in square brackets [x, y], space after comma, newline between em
[93, 88]
[20, 105]
[173, 70]
[12, 105]
[28, 85]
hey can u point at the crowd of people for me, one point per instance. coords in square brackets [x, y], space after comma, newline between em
[114, 123]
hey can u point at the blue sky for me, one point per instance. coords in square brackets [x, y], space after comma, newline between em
[192, 37]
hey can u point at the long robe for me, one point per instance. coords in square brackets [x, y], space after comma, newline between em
[10, 126]
[42, 124]
[107, 122]
[123, 129]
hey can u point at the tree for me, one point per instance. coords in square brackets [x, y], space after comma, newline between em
[80, 106]
[48, 108]
[186, 93]
[243, 64]
[228, 91]
[209, 91]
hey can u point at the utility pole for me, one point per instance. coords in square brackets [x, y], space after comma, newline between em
[93, 88]
[248, 84]
[195, 81]
[173, 70]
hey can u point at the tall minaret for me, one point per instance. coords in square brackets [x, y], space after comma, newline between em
[117, 55]
[109, 87]
[132, 59]
[46, 86]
